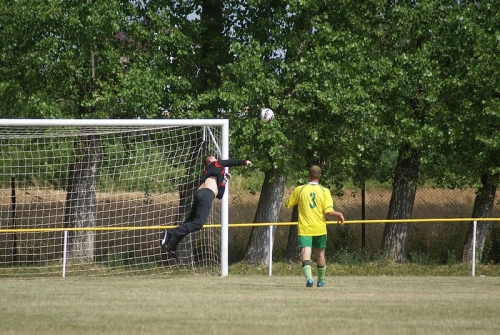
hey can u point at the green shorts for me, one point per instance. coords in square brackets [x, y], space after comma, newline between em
[318, 242]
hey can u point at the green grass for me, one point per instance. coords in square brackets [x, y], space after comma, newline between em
[376, 268]
[237, 304]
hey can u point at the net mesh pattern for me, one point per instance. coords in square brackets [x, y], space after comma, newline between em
[110, 188]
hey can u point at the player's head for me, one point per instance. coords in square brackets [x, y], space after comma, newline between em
[314, 172]
[208, 159]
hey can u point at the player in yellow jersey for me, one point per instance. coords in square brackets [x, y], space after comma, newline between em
[314, 202]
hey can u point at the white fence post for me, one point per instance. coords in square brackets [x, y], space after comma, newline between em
[473, 270]
[270, 251]
[65, 248]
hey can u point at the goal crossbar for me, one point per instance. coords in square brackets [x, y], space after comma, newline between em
[112, 123]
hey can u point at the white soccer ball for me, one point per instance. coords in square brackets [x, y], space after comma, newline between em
[266, 114]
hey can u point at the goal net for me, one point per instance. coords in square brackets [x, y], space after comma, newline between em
[92, 197]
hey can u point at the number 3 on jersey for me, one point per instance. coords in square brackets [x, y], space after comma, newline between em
[313, 200]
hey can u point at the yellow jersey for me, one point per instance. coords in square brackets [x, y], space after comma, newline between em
[314, 201]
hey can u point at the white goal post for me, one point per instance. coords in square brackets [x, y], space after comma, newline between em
[111, 187]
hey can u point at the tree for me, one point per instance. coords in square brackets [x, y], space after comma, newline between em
[293, 58]
[274, 187]
[81, 198]
[409, 106]
[86, 59]
[484, 103]
[471, 91]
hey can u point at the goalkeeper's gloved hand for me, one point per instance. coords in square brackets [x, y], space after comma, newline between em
[247, 162]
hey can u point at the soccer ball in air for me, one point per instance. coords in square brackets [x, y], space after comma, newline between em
[266, 115]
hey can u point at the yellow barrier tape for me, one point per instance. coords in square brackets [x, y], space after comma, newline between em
[261, 224]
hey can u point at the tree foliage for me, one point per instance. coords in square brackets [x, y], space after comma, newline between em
[93, 59]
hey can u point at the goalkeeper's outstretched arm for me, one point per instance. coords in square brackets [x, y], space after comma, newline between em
[234, 162]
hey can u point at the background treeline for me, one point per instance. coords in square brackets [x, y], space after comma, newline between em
[351, 83]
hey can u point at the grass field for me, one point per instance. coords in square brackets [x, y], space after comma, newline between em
[250, 305]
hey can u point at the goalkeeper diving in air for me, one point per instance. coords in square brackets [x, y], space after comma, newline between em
[213, 185]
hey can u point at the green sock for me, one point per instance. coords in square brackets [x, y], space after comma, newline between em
[306, 270]
[321, 273]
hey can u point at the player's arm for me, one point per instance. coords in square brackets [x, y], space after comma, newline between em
[328, 209]
[234, 162]
[339, 215]
[292, 200]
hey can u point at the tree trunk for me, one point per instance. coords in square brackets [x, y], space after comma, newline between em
[214, 44]
[483, 207]
[268, 210]
[13, 216]
[401, 204]
[214, 53]
[80, 207]
[292, 247]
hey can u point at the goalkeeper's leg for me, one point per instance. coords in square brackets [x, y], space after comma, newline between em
[200, 211]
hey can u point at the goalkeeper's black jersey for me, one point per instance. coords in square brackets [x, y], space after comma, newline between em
[217, 169]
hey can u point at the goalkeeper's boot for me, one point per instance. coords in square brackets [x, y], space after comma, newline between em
[309, 283]
[320, 283]
[167, 242]
[164, 239]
